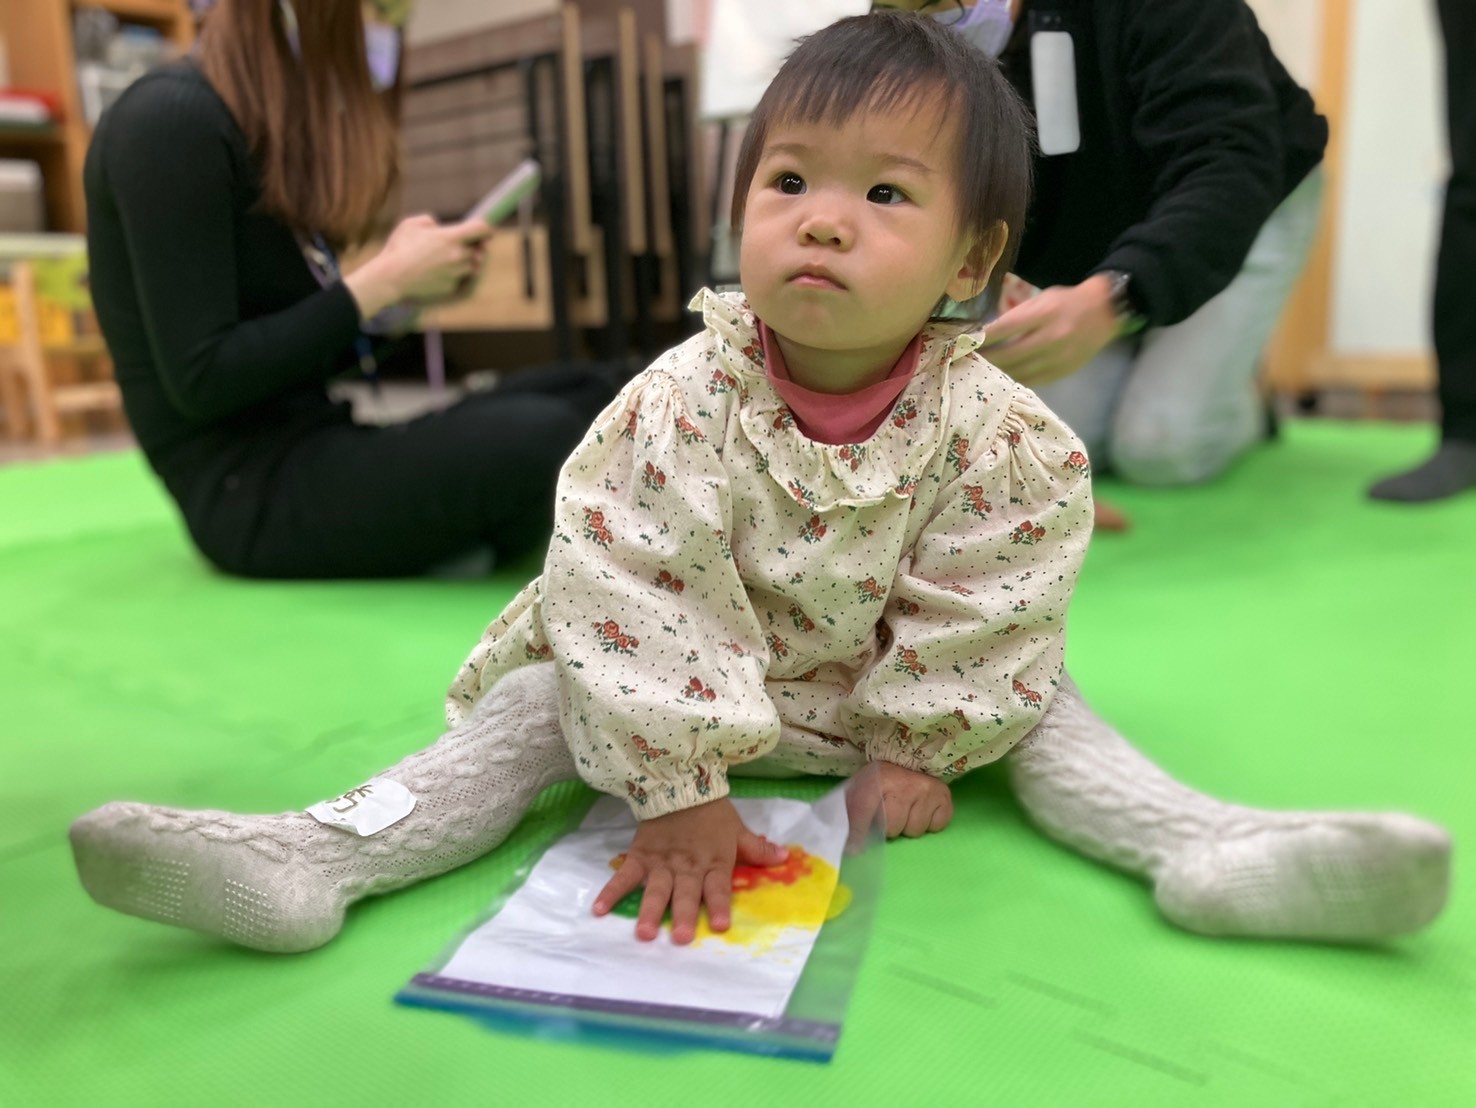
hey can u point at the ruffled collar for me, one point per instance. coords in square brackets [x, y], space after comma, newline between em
[818, 475]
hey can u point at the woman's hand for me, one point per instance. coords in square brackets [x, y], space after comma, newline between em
[422, 262]
[686, 859]
[914, 802]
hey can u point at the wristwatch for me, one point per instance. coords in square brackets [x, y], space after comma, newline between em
[1129, 319]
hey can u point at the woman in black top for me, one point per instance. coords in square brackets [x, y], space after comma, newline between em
[218, 190]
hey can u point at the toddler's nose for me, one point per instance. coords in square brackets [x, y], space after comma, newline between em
[824, 228]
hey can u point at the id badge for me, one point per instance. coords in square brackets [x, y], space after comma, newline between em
[1053, 74]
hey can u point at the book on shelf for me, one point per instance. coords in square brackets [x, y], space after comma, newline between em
[20, 108]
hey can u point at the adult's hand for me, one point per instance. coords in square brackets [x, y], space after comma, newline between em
[1054, 334]
[422, 262]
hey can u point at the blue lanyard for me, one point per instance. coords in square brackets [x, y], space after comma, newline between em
[324, 263]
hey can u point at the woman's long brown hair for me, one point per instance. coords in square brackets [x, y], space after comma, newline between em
[324, 140]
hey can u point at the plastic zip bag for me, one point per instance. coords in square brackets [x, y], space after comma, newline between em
[540, 963]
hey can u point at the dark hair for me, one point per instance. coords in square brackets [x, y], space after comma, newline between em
[893, 58]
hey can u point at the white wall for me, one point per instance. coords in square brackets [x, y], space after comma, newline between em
[682, 19]
[749, 40]
[1295, 30]
[1393, 164]
[1394, 167]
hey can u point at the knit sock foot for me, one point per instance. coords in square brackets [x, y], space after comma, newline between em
[281, 883]
[1450, 471]
[244, 878]
[1322, 877]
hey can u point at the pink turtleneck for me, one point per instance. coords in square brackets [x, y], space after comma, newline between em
[838, 418]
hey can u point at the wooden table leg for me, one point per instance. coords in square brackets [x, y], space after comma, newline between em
[31, 358]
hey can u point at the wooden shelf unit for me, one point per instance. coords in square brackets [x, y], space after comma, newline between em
[42, 57]
[162, 14]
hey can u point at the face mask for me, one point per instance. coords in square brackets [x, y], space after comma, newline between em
[987, 25]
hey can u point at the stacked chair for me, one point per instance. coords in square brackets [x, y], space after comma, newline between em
[613, 244]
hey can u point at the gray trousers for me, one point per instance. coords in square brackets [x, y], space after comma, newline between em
[1176, 405]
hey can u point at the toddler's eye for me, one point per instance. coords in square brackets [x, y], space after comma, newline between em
[886, 194]
[791, 183]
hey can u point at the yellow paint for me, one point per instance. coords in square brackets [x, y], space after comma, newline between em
[761, 913]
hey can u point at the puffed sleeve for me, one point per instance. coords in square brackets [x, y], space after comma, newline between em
[977, 612]
[660, 654]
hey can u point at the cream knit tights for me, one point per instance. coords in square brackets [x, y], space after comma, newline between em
[1218, 868]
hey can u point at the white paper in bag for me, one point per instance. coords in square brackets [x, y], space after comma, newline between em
[547, 940]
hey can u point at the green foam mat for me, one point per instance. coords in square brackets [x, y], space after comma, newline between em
[1273, 638]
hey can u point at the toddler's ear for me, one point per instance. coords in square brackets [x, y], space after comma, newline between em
[973, 276]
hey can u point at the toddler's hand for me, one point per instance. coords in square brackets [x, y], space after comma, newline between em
[914, 802]
[686, 858]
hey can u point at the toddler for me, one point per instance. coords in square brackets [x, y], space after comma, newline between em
[825, 532]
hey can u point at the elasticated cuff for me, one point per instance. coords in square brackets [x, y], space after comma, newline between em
[898, 753]
[705, 782]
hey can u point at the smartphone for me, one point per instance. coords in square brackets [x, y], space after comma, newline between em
[508, 193]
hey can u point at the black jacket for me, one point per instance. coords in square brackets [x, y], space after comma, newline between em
[1192, 133]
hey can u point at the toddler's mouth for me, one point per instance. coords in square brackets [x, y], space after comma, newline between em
[816, 277]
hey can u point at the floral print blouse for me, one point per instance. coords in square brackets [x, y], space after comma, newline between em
[707, 556]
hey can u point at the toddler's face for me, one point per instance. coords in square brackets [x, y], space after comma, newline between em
[850, 234]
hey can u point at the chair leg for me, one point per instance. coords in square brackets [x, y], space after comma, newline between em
[1270, 417]
[13, 397]
[32, 359]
